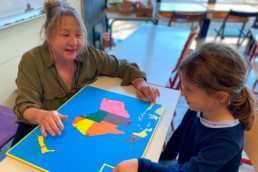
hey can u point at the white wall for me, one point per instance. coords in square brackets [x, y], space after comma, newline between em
[14, 42]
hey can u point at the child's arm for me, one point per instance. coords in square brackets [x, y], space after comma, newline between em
[217, 155]
[140, 165]
[170, 152]
[172, 149]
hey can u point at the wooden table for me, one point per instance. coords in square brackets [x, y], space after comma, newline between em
[115, 16]
[168, 97]
[155, 49]
[166, 8]
[220, 10]
[216, 12]
[225, 7]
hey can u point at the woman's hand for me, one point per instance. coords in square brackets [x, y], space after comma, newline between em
[51, 121]
[127, 166]
[143, 90]
[48, 120]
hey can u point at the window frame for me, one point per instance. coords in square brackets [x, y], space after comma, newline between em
[28, 13]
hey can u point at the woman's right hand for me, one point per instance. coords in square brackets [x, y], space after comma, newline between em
[48, 120]
[51, 121]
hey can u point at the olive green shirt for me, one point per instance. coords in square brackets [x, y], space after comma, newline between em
[39, 83]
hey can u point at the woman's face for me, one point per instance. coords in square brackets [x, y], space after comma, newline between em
[67, 43]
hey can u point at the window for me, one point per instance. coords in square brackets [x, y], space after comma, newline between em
[16, 11]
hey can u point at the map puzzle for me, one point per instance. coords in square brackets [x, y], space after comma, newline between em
[103, 129]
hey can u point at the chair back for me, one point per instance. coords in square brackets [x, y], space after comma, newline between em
[242, 14]
[187, 18]
[251, 142]
[174, 80]
[237, 16]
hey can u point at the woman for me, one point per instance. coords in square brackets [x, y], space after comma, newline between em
[51, 73]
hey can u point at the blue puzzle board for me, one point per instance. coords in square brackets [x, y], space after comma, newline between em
[94, 138]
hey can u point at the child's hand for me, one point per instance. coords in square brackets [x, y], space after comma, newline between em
[127, 166]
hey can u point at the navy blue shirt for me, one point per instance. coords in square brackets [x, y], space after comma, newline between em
[201, 145]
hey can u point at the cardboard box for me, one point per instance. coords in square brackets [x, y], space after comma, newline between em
[144, 12]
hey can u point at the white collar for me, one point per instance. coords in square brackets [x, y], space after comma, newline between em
[219, 124]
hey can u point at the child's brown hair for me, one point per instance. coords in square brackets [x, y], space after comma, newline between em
[218, 67]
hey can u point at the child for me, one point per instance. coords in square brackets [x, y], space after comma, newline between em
[210, 136]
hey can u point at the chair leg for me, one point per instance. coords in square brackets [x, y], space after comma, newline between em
[164, 146]
[219, 31]
[172, 126]
[222, 31]
[179, 85]
[252, 54]
[248, 73]
[253, 89]
[172, 123]
[239, 42]
[173, 82]
[246, 161]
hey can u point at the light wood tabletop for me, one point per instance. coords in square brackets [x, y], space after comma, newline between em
[166, 8]
[181, 7]
[112, 17]
[226, 7]
[168, 97]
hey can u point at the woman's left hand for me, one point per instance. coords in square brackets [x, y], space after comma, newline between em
[127, 166]
[143, 90]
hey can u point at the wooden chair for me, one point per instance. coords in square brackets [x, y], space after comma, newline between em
[252, 56]
[251, 142]
[188, 18]
[235, 16]
[254, 66]
[174, 81]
